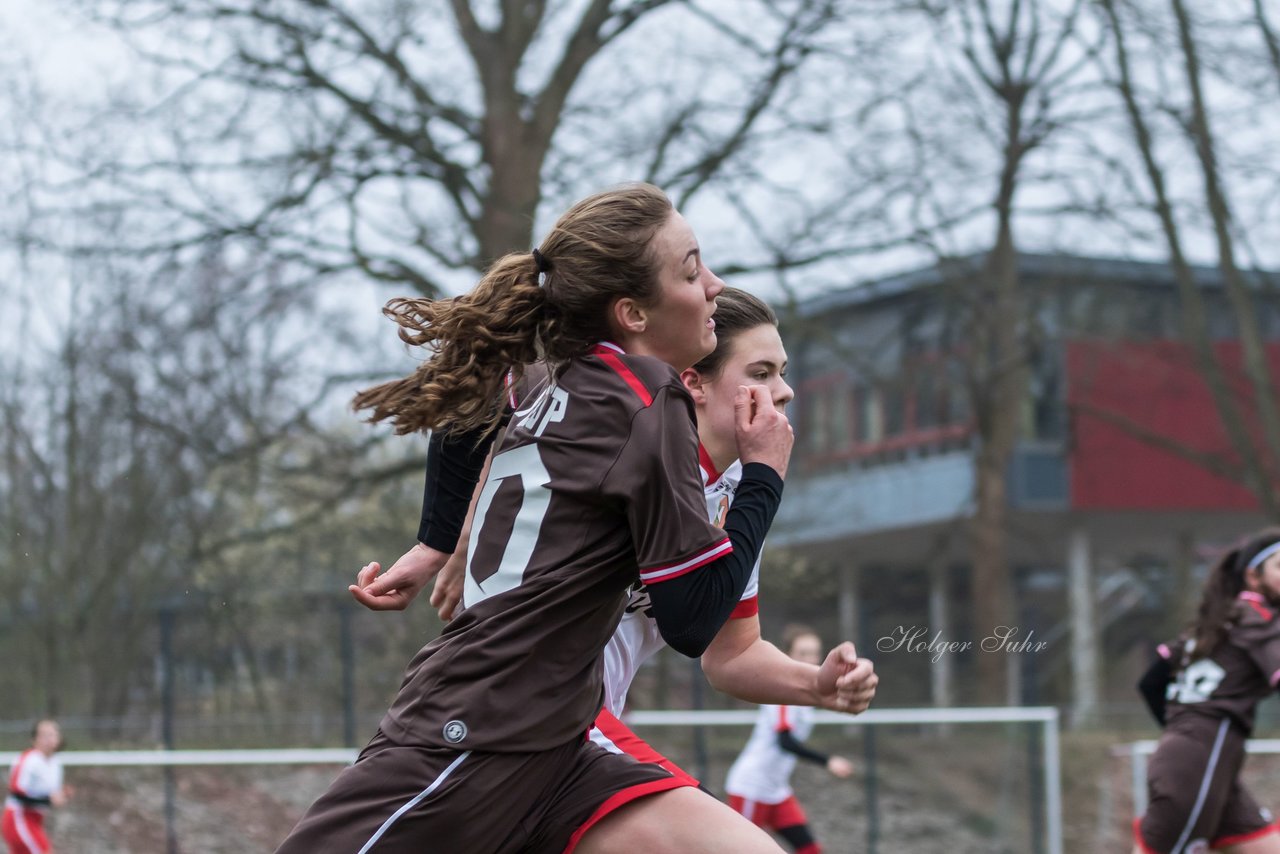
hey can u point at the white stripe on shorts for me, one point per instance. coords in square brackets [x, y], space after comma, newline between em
[598, 736]
[20, 822]
[417, 799]
[1204, 786]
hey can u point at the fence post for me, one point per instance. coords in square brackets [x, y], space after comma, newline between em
[166, 725]
[1035, 789]
[701, 760]
[1053, 778]
[868, 741]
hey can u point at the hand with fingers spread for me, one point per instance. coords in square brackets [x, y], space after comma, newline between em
[394, 589]
[764, 434]
[846, 683]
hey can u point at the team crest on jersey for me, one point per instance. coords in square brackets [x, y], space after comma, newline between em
[638, 599]
[721, 511]
[455, 731]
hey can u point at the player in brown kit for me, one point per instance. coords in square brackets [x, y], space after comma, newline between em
[739, 661]
[1204, 688]
[594, 485]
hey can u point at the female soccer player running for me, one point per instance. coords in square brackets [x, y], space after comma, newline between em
[739, 661]
[35, 784]
[1203, 689]
[759, 781]
[594, 486]
[748, 350]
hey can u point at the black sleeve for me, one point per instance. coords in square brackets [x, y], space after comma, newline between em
[454, 463]
[691, 608]
[788, 742]
[1153, 684]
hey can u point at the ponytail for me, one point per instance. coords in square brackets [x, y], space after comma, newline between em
[1221, 588]
[549, 305]
[474, 341]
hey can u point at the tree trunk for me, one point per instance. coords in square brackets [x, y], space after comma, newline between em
[1001, 388]
[1194, 315]
[1252, 347]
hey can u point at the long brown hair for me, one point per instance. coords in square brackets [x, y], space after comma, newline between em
[598, 252]
[1221, 589]
[736, 312]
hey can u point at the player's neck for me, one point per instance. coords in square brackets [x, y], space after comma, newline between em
[722, 454]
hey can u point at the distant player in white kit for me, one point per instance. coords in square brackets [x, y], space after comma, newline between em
[759, 781]
[35, 784]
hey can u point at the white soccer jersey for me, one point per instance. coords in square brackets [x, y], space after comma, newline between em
[762, 772]
[637, 637]
[34, 775]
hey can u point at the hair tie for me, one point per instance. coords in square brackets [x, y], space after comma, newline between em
[543, 265]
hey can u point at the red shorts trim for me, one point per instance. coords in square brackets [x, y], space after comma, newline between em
[622, 798]
[1138, 840]
[635, 746]
[786, 813]
[1245, 837]
[640, 750]
[746, 608]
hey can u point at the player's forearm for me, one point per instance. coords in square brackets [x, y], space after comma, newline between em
[788, 742]
[1152, 687]
[762, 673]
[455, 464]
[692, 609]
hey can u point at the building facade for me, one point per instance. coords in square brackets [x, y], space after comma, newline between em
[1122, 483]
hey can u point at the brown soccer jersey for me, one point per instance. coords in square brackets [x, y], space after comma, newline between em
[1242, 671]
[594, 485]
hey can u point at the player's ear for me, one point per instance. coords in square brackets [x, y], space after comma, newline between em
[695, 383]
[628, 316]
[1253, 579]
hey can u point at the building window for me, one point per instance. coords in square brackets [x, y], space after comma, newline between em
[1044, 410]
[893, 395]
[839, 429]
[956, 394]
[928, 403]
[870, 414]
[817, 405]
[826, 415]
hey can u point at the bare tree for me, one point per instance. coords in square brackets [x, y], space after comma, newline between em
[1017, 71]
[1250, 417]
[400, 141]
[367, 141]
[143, 429]
[1269, 37]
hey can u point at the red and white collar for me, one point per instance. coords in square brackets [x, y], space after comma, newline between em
[607, 347]
[709, 472]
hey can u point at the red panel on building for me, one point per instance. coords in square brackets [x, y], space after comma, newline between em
[1121, 394]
